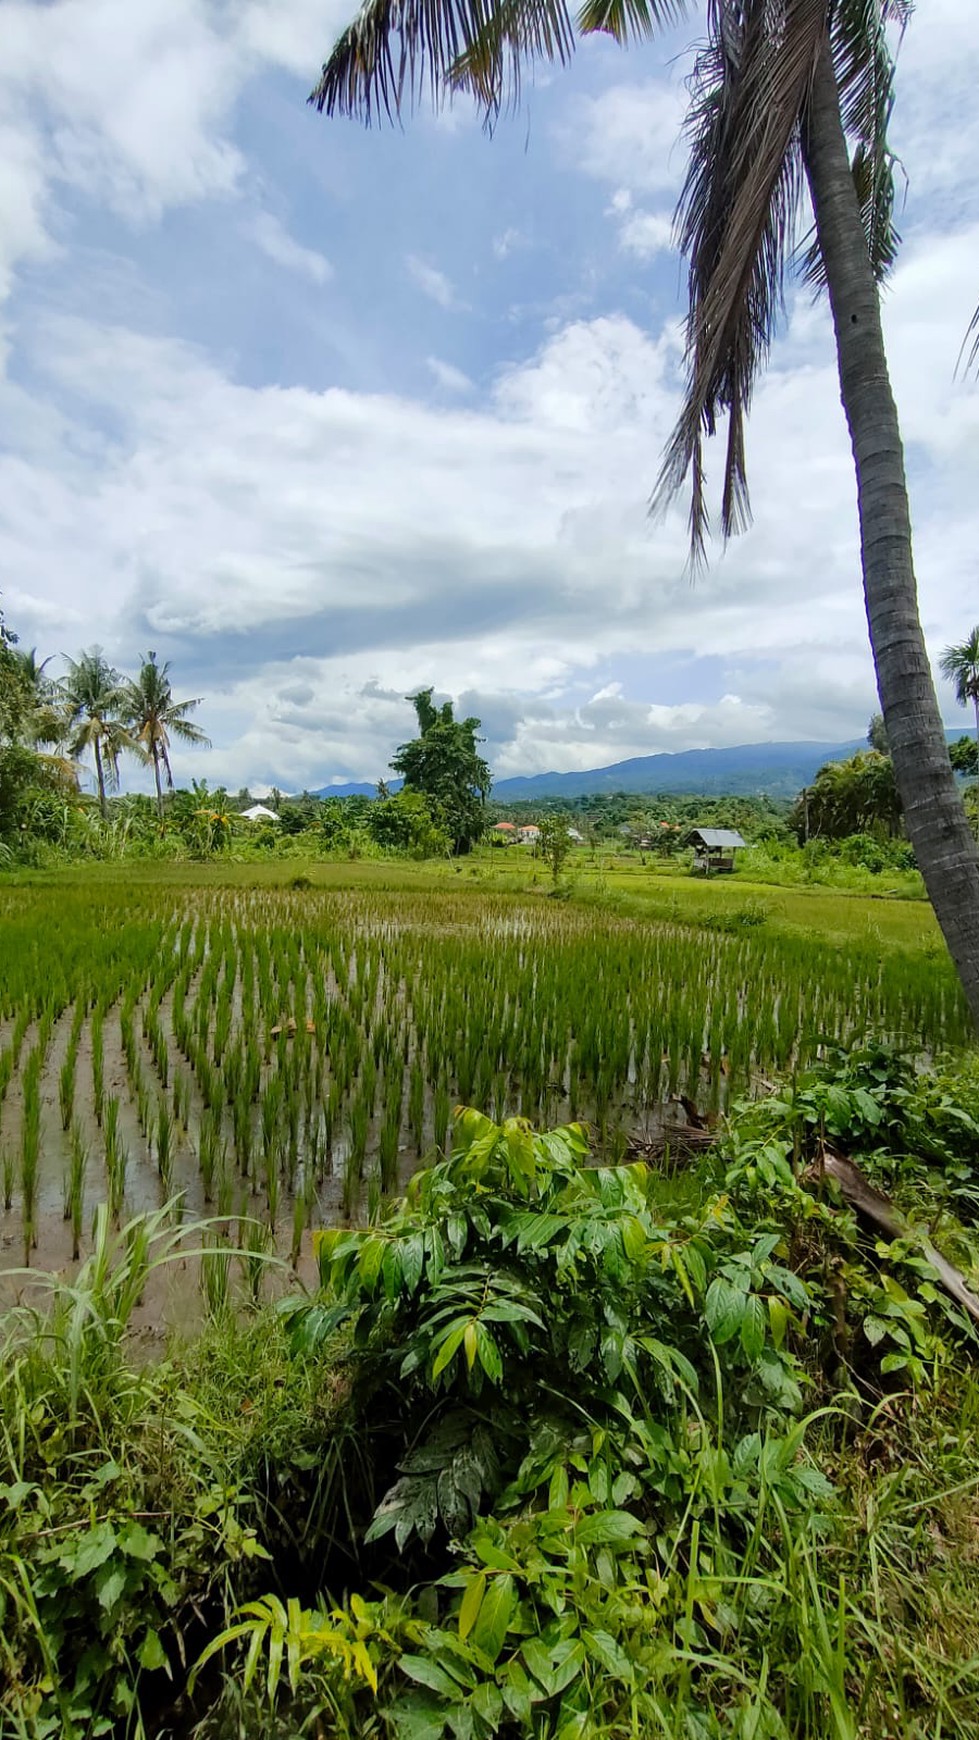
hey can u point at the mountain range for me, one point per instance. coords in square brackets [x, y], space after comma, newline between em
[777, 770]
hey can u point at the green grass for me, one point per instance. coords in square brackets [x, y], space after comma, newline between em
[617, 881]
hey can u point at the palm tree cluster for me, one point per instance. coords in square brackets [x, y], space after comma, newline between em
[94, 710]
[857, 796]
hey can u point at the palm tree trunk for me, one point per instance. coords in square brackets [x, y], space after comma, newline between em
[100, 777]
[159, 782]
[933, 812]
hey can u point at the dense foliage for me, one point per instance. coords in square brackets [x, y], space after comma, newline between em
[556, 1450]
[442, 764]
[858, 796]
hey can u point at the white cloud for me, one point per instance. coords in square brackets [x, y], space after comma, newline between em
[431, 282]
[505, 243]
[274, 240]
[448, 377]
[133, 107]
[306, 558]
[629, 135]
[642, 233]
[23, 196]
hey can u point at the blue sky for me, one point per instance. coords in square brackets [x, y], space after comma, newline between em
[323, 415]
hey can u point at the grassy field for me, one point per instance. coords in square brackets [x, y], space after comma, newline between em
[615, 882]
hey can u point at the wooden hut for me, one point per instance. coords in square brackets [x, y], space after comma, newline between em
[714, 849]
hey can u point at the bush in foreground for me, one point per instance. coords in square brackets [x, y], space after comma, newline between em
[556, 1451]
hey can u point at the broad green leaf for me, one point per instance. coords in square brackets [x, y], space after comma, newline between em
[428, 1673]
[893, 1362]
[470, 1341]
[753, 1326]
[633, 1235]
[612, 1656]
[448, 1350]
[90, 1551]
[498, 1608]
[874, 1329]
[557, 1492]
[778, 1318]
[110, 1585]
[417, 1717]
[15, 1493]
[472, 1600]
[138, 1543]
[608, 1528]
[723, 1309]
[487, 1701]
[554, 1669]
[489, 1354]
[152, 1655]
[518, 1691]
[369, 1264]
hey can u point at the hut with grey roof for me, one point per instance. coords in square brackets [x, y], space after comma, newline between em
[714, 849]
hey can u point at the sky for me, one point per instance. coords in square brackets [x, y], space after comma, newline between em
[323, 415]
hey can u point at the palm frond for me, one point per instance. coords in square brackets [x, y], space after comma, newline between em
[186, 730]
[397, 51]
[630, 20]
[735, 222]
[972, 356]
[864, 64]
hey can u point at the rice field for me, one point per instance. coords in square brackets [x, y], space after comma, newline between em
[281, 1059]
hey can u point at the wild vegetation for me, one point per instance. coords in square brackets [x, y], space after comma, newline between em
[551, 1450]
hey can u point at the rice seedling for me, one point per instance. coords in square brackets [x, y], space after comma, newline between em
[30, 1149]
[394, 1006]
[8, 1175]
[97, 1040]
[164, 1147]
[116, 1161]
[75, 1190]
[66, 1087]
[272, 1180]
[215, 1270]
[255, 1247]
[300, 1213]
[208, 1136]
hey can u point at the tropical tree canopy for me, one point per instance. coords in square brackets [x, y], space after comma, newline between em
[964, 755]
[95, 698]
[960, 666]
[154, 717]
[443, 764]
[858, 796]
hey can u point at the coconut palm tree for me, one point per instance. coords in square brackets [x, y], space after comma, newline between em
[154, 717]
[778, 89]
[960, 666]
[45, 718]
[94, 696]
